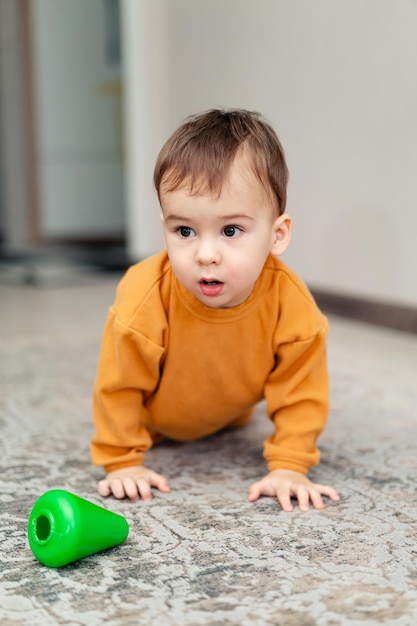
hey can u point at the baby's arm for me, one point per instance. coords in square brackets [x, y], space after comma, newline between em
[297, 394]
[128, 370]
[285, 484]
[132, 482]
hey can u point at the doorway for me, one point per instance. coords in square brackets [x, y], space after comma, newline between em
[62, 171]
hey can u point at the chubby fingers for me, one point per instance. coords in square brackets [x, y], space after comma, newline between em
[133, 485]
[304, 494]
[104, 488]
[318, 491]
[152, 479]
[118, 487]
[286, 485]
[284, 498]
[260, 488]
[159, 481]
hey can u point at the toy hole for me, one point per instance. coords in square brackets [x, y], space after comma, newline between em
[43, 528]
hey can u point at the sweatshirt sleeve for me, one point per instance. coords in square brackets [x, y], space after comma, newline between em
[128, 371]
[297, 392]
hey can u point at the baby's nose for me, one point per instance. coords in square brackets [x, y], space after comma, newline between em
[208, 252]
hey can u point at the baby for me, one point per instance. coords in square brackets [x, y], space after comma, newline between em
[201, 332]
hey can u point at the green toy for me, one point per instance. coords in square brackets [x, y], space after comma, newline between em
[63, 528]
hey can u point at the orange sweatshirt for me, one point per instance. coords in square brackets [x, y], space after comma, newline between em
[172, 367]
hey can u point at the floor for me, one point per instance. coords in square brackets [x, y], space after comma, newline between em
[202, 554]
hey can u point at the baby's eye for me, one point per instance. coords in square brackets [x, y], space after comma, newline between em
[186, 232]
[231, 231]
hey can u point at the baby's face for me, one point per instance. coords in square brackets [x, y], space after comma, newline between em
[218, 245]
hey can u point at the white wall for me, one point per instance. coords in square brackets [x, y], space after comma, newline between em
[147, 99]
[338, 80]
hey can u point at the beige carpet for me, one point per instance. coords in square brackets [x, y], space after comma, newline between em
[203, 555]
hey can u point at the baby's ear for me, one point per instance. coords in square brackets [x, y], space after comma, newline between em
[281, 234]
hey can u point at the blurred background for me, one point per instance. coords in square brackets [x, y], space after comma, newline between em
[90, 90]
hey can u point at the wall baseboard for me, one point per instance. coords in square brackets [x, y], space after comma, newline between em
[385, 314]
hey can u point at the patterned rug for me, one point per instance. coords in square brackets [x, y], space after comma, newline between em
[203, 555]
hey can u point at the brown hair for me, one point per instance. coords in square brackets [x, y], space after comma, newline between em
[203, 148]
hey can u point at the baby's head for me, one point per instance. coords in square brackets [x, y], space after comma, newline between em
[200, 153]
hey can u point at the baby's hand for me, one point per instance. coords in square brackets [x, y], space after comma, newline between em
[132, 482]
[285, 484]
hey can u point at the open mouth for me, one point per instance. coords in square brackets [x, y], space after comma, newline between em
[211, 287]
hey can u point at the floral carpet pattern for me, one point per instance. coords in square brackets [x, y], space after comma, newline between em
[203, 555]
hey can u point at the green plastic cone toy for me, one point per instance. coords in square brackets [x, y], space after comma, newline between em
[63, 528]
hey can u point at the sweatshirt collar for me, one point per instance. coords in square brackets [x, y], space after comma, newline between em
[211, 314]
